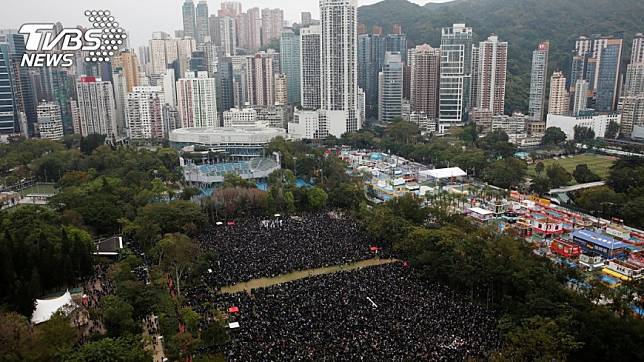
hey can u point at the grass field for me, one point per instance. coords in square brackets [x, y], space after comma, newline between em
[267, 282]
[39, 188]
[596, 163]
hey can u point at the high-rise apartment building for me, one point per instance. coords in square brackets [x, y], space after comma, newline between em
[230, 8]
[397, 42]
[634, 84]
[306, 19]
[254, 29]
[390, 88]
[119, 84]
[632, 114]
[491, 74]
[202, 23]
[456, 74]
[290, 63]
[189, 22]
[339, 70]
[260, 80]
[538, 79]
[637, 52]
[50, 121]
[197, 99]
[580, 97]
[228, 34]
[310, 67]
[559, 98]
[96, 107]
[425, 75]
[272, 23]
[127, 61]
[281, 89]
[144, 113]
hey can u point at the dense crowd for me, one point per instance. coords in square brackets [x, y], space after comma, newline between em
[257, 248]
[381, 313]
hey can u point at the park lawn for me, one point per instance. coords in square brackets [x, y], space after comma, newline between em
[598, 164]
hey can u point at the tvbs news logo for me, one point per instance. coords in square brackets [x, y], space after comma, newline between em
[47, 46]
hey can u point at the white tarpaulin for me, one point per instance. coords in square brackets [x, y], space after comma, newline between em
[45, 308]
[233, 325]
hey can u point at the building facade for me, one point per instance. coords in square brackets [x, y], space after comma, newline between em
[559, 99]
[310, 67]
[96, 107]
[538, 79]
[456, 75]
[425, 77]
[197, 99]
[390, 88]
[491, 74]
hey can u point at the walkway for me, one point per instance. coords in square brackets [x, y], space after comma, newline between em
[267, 282]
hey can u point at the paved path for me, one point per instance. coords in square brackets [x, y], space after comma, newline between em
[158, 354]
[267, 282]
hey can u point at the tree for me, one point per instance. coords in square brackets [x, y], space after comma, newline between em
[539, 167]
[16, 337]
[558, 175]
[612, 130]
[541, 185]
[117, 316]
[56, 338]
[553, 136]
[234, 180]
[505, 173]
[91, 142]
[583, 134]
[316, 198]
[583, 174]
[178, 255]
[540, 339]
[497, 144]
[124, 349]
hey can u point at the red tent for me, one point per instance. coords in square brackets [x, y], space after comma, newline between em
[230, 223]
[233, 310]
[374, 248]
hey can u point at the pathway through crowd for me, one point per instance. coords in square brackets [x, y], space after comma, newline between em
[301, 274]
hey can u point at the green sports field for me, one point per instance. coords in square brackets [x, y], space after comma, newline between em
[596, 163]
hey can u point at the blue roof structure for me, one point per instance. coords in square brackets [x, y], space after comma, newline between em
[599, 239]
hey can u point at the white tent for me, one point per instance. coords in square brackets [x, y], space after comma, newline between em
[442, 173]
[45, 308]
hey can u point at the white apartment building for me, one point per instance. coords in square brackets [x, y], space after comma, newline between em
[197, 99]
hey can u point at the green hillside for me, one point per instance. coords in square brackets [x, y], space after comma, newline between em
[522, 23]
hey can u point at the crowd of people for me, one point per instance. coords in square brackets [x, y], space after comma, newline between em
[258, 248]
[380, 313]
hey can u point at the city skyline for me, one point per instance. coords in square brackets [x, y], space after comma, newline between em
[163, 15]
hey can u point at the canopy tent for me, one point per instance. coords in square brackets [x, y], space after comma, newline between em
[443, 173]
[45, 308]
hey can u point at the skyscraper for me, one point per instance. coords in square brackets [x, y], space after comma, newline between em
[559, 98]
[425, 75]
[144, 113]
[260, 80]
[637, 52]
[202, 24]
[225, 89]
[230, 8]
[608, 73]
[310, 67]
[456, 73]
[634, 84]
[390, 88]
[371, 54]
[197, 98]
[281, 89]
[272, 22]
[339, 19]
[127, 61]
[632, 114]
[492, 71]
[119, 83]
[290, 63]
[189, 22]
[538, 81]
[397, 42]
[580, 103]
[8, 112]
[254, 29]
[96, 107]
[306, 19]
[228, 34]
